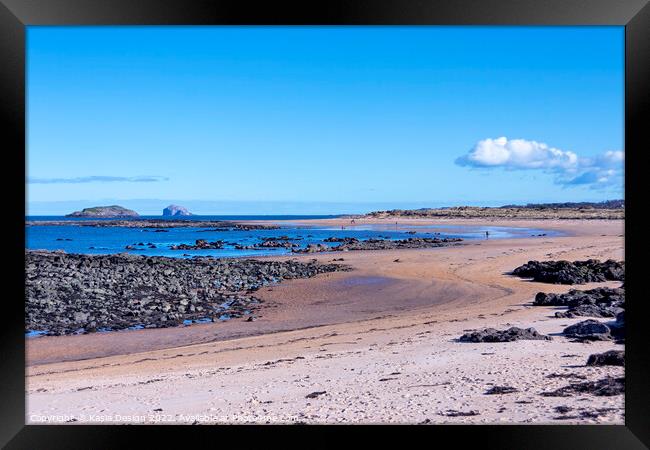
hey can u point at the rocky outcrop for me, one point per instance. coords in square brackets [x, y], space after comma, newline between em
[104, 211]
[576, 272]
[509, 335]
[175, 210]
[267, 243]
[348, 244]
[69, 293]
[609, 358]
[599, 302]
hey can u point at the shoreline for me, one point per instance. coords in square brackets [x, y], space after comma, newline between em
[415, 306]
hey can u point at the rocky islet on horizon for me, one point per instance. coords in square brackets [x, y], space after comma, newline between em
[175, 211]
[104, 211]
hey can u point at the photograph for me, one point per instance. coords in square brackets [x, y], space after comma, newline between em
[325, 224]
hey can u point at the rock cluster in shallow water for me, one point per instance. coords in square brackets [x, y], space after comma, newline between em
[199, 244]
[576, 272]
[69, 293]
[348, 244]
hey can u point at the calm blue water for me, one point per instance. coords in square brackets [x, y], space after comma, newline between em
[107, 240]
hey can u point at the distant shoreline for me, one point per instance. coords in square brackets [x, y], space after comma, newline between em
[470, 212]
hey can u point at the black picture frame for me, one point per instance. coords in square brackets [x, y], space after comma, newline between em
[15, 15]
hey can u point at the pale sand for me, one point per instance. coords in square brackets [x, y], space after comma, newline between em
[383, 318]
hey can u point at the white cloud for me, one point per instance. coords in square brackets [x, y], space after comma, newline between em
[570, 170]
[517, 154]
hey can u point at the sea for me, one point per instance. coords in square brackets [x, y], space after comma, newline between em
[75, 238]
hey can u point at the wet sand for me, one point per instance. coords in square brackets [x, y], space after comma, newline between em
[345, 334]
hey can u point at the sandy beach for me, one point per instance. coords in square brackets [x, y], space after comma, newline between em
[373, 345]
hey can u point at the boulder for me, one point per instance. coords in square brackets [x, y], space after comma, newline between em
[609, 358]
[589, 330]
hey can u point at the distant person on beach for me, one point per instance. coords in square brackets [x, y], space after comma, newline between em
[487, 234]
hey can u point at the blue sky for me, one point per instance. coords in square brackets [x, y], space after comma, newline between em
[322, 119]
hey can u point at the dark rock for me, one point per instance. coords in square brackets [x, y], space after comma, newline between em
[454, 413]
[599, 302]
[315, 394]
[609, 358]
[509, 335]
[349, 244]
[589, 311]
[607, 296]
[589, 330]
[268, 243]
[577, 272]
[605, 387]
[501, 390]
[199, 244]
[65, 293]
[618, 327]
[350, 240]
[313, 248]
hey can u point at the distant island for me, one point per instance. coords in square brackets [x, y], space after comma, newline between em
[175, 210]
[609, 210]
[104, 211]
